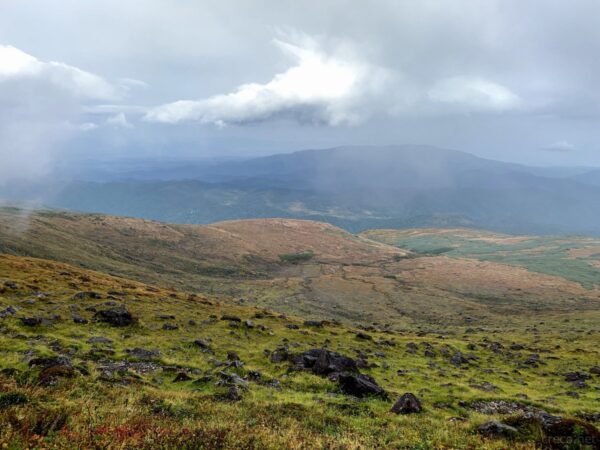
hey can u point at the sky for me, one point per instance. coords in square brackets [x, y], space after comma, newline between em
[108, 80]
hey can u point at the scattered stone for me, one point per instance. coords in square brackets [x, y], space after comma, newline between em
[497, 429]
[12, 399]
[577, 376]
[359, 385]
[407, 404]
[486, 386]
[204, 345]
[87, 294]
[11, 285]
[80, 320]
[313, 323]
[170, 327]
[280, 354]
[411, 348]
[325, 362]
[231, 318]
[181, 376]
[165, 317]
[248, 324]
[458, 359]
[364, 336]
[99, 340]
[9, 311]
[232, 356]
[595, 370]
[117, 317]
[142, 353]
[292, 326]
[31, 321]
[50, 362]
[50, 375]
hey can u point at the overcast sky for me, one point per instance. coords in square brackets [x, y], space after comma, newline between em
[511, 80]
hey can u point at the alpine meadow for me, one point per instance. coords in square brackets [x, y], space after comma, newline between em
[299, 225]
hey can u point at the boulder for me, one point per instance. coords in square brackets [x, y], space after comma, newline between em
[407, 404]
[31, 321]
[231, 318]
[324, 362]
[359, 385]
[117, 317]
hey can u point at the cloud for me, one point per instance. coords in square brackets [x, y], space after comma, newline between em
[321, 87]
[474, 94]
[16, 65]
[560, 147]
[41, 106]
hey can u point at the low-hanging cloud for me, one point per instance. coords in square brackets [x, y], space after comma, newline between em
[41, 105]
[321, 87]
[473, 94]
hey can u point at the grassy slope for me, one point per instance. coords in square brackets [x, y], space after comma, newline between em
[573, 258]
[150, 411]
[350, 278]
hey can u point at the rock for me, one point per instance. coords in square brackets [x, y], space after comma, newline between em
[232, 379]
[407, 404]
[181, 376]
[233, 394]
[313, 323]
[12, 399]
[232, 356]
[411, 348]
[50, 362]
[50, 375]
[99, 340]
[458, 359]
[11, 285]
[231, 318]
[324, 362]
[204, 345]
[496, 429]
[142, 353]
[280, 354]
[9, 311]
[577, 376]
[86, 294]
[170, 327]
[359, 385]
[165, 317]
[248, 324]
[192, 322]
[595, 370]
[292, 326]
[486, 386]
[533, 360]
[80, 320]
[364, 336]
[517, 347]
[117, 317]
[31, 321]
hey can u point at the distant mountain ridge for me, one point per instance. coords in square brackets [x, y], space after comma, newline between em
[357, 188]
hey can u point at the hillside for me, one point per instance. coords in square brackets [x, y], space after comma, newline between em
[306, 268]
[169, 369]
[575, 258]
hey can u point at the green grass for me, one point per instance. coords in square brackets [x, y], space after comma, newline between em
[548, 255]
[149, 410]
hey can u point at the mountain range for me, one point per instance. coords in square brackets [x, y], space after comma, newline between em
[356, 188]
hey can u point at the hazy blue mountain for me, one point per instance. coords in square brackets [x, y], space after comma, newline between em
[357, 188]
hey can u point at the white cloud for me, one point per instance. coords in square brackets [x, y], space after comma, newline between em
[560, 147]
[20, 66]
[473, 94]
[320, 88]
